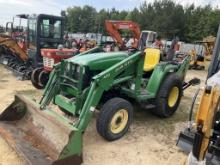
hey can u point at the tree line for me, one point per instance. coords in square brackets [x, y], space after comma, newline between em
[166, 17]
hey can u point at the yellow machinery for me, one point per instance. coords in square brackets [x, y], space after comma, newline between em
[198, 57]
[8, 42]
[20, 50]
[197, 61]
[202, 139]
[209, 43]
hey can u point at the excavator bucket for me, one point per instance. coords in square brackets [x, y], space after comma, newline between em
[40, 137]
[185, 140]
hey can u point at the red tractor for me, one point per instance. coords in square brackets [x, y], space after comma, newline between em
[40, 76]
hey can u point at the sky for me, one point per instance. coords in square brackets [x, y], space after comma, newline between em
[9, 8]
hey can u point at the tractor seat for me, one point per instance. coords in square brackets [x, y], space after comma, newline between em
[152, 58]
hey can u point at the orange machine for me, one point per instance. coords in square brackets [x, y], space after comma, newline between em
[113, 27]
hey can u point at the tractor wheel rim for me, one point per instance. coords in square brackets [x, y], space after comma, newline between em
[173, 96]
[119, 121]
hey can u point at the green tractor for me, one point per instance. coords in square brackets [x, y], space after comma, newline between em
[108, 81]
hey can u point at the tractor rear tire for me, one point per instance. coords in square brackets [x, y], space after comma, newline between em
[168, 96]
[34, 78]
[114, 119]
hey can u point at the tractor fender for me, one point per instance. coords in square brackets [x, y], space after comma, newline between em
[159, 74]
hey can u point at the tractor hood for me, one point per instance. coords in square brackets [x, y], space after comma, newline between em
[99, 61]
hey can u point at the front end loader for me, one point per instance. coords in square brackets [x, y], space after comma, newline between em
[40, 75]
[80, 86]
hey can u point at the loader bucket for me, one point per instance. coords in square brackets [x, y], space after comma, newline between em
[40, 137]
[185, 140]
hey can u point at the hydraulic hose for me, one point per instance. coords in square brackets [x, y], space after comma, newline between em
[192, 107]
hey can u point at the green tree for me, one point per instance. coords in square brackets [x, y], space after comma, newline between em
[166, 17]
[81, 19]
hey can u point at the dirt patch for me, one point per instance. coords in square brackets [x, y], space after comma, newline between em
[150, 141]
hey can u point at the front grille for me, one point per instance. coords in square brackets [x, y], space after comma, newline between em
[48, 62]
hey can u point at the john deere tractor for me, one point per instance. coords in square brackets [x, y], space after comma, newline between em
[80, 86]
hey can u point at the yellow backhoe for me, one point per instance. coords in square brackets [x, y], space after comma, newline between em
[202, 138]
[209, 43]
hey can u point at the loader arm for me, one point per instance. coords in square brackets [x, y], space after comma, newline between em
[102, 82]
[52, 87]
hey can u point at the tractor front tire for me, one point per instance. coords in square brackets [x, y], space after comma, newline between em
[114, 119]
[34, 78]
[168, 96]
[43, 78]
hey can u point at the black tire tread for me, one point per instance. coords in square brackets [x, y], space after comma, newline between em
[33, 78]
[108, 111]
[162, 108]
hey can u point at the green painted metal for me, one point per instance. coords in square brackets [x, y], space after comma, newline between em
[65, 103]
[74, 145]
[183, 68]
[163, 69]
[99, 61]
[115, 69]
[52, 87]
[129, 70]
[158, 76]
[77, 85]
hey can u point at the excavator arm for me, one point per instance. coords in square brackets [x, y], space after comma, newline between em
[204, 120]
[113, 27]
[209, 43]
[13, 46]
[203, 139]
